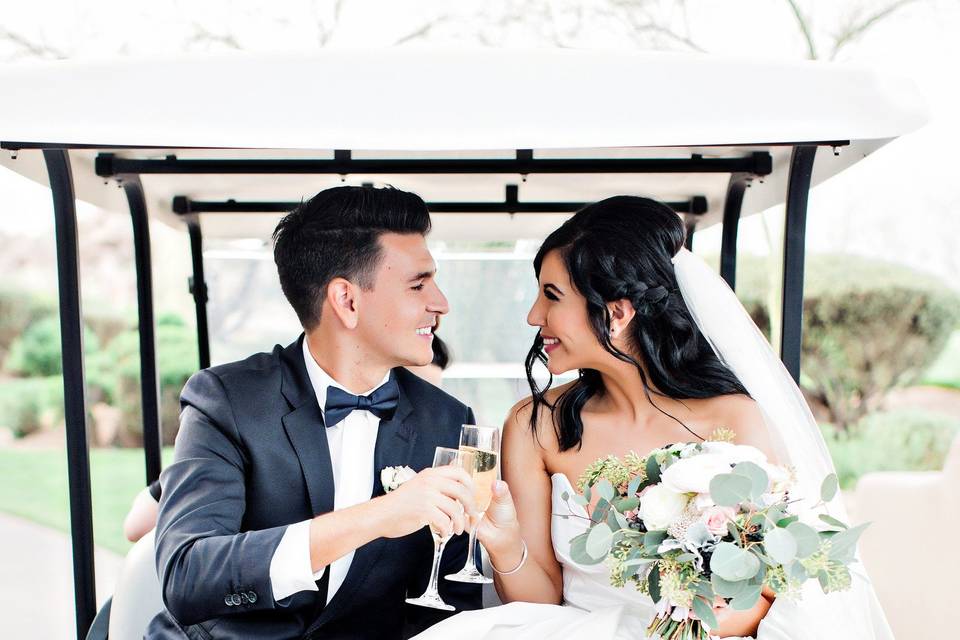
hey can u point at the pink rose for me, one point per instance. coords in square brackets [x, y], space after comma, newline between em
[716, 519]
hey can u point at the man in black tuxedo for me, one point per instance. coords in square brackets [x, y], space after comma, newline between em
[273, 521]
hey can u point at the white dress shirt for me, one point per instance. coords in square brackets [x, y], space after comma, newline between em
[351, 442]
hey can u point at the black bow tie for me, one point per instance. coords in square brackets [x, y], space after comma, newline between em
[381, 403]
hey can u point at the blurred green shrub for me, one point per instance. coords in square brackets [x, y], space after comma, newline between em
[36, 352]
[29, 404]
[177, 360]
[903, 440]
[868, 327]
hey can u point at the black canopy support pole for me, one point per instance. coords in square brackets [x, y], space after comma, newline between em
[74, 402]
[183, 206]
[149, 380]
[109, 165]
[794, 240]
[198, 287]
[691, 227]
[732, 207]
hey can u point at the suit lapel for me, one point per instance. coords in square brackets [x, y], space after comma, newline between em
[396, 439]
[304, 427]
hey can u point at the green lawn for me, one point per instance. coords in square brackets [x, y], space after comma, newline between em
[33, 485]
[945, 371]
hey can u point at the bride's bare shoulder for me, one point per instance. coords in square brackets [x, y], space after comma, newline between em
[741, 414]
[518, 418]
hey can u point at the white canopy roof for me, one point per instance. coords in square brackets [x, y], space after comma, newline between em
[419, 103]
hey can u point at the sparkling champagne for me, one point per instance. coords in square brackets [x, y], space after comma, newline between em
[483, 476]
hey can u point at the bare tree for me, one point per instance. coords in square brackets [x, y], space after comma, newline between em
[25, 47]
[859, 20]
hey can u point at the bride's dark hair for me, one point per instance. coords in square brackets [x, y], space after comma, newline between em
[619, 248]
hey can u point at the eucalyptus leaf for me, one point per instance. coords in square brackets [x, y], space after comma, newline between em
[828, 489]
[786, 522]
[732, 563]
[759, 479]
[705, 589]
[704, 611]
[620, 519]
[727, 588]
[654, 538]
[686, 557]
[627, 504]
[598, 541]
[833, 521]
[580, 500]
[729, 489]
[605, 489]
[653, 470]
[746, 599]
[653, 583]
[807, 539]
[565, 496]
[780, 545]
[600, 511]
[843, 546]
[578, 551]
[634, 486]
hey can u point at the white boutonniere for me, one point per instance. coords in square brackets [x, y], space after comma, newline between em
[392, 477]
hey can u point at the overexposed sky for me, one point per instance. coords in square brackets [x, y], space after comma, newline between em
[901, 203]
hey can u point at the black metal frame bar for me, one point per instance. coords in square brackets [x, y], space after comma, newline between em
[794, 240]
[149, 380]
[198, 289]
[74, 401]
[732, 206]
[109, 165]
[184, 206]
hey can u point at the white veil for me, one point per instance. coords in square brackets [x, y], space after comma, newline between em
[852, 614]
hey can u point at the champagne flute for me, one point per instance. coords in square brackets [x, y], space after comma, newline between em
[484, 442]
[431, 597]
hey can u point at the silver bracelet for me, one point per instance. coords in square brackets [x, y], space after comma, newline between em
[523, 561]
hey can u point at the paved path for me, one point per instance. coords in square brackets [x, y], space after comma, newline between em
[36, 587]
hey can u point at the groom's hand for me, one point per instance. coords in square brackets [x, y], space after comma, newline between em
[440, 497]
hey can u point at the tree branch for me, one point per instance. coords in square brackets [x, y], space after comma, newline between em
[853, 31]
[804, 25]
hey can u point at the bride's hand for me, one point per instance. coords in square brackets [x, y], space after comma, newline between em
[499, 531]
[735, 623]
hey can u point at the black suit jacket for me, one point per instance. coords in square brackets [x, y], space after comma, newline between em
[251, 458]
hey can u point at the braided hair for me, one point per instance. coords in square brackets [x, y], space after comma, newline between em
[621, 248]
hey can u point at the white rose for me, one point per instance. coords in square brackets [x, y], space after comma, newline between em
[660, 507]
[392, 477]
[693, 475]
[736, 453]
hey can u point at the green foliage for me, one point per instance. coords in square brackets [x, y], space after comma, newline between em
[26, 404]
[18, 310]
[177, 360]
[891, 441]
[868, 327]
[37, 351]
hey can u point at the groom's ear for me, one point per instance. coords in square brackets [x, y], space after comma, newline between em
[621, 313]
[342, 298]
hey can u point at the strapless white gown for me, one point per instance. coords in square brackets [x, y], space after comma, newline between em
[594, 609]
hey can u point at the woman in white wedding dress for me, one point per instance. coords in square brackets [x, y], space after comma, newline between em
[665, 354]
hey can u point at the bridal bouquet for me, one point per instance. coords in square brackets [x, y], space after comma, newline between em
[692, 525]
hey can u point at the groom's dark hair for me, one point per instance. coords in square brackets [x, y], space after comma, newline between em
[335, 234]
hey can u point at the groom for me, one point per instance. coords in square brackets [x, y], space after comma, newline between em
[273, 521]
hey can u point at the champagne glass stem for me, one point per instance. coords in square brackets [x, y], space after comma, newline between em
[471, 564]
[438, 546]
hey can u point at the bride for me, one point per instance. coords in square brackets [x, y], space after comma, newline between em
[665, 354]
